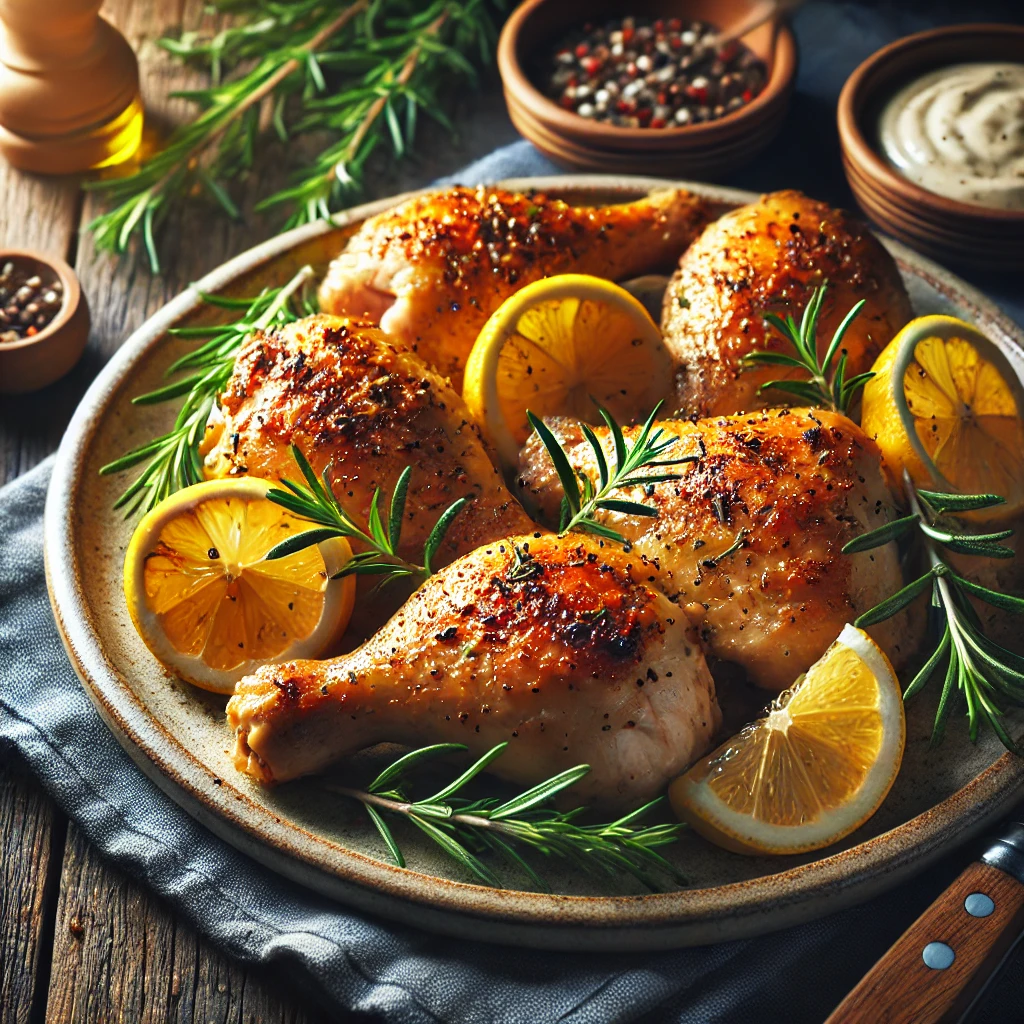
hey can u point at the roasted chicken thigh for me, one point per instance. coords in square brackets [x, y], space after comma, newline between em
[559, 646]
[748, 541]
[768, 257]
[340, 391]
[433, 269]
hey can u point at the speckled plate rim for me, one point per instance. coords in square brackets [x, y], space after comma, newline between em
[658, 921]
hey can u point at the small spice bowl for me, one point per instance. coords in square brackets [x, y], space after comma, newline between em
[946, 229]
[39, 359]
[702, 150]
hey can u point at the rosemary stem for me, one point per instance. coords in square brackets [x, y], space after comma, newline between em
[407, 808]
[385, 803]
[374, 111]
[258, 94]
[934, 558]
[283, 297]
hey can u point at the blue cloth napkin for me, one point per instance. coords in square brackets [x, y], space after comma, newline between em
[398, 974]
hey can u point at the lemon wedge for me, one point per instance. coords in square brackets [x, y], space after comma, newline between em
[946, 405]
[554, 347]
[207, 602]
[814, 769]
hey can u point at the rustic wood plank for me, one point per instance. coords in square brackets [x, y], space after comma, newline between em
[120, 955]
[31, 840]
[42, 214]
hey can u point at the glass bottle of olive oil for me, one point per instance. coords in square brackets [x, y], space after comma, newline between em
[69, 87]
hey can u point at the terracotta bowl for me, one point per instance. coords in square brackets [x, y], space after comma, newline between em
[32, 363]
[705, 150]
[946, 229]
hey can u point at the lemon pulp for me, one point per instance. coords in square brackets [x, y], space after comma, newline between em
[558, 346]
[209, 603]
[215, 594]
[945, 405]
[814, 768]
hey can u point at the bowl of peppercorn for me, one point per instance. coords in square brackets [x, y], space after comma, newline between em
[44, 320]
[651, 91]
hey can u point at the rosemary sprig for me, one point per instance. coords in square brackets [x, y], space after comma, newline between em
[827, 386]
[172, 459]
[316, 502]
[987, 675]
[470, 829]
[582, 498]
[361, 73]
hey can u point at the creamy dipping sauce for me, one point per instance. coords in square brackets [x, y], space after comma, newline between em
[959, 132]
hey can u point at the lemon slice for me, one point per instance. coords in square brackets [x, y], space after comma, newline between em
[207, 602]
[814, 769]
[946, 405]
[553, 348]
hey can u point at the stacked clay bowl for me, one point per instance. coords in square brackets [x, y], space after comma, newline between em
[946, 229]
[699, 151]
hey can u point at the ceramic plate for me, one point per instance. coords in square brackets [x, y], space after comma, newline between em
[178, 736]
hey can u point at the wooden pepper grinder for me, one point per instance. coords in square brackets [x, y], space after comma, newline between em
[69, 87]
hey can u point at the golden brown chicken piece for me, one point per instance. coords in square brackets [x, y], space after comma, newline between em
[763, 258]
[748, 541]
[559, 647]
[341, 392]
[432, 270]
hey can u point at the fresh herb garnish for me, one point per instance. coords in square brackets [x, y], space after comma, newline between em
[988, 676]
[466, 829]
[582, 499]
[356, 76]
[172, 459]
[828, 387]
[317, 503]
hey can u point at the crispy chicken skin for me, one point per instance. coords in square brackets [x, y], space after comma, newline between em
[433, 269]
[558, 646]
[793, 486]
[768, 257]
[341, 392]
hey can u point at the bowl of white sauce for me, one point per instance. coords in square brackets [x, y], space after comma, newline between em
[932, 132]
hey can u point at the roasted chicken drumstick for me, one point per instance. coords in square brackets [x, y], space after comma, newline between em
[433, 269]
[341, 392]
[768, 257]
[749, 540]
[559, 646]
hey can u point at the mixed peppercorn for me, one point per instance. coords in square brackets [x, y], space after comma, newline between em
[645, 73]
[27, 303]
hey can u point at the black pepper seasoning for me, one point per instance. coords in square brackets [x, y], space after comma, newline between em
[644, 73]
[27, 303]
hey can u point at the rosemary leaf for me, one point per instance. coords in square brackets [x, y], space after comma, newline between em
[566, 474]
[301, 541]
[882, 535]
[941, 501]
[890, 606]
[397, 508]
[470, 773]
[385, 834]
[395, 771]
[928, 668]
[1008, 602]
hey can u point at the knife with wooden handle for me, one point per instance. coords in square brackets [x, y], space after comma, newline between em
[943, 960]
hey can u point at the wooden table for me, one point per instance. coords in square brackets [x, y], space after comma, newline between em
[79, 940]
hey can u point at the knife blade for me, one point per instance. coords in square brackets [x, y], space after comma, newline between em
[937, 968]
